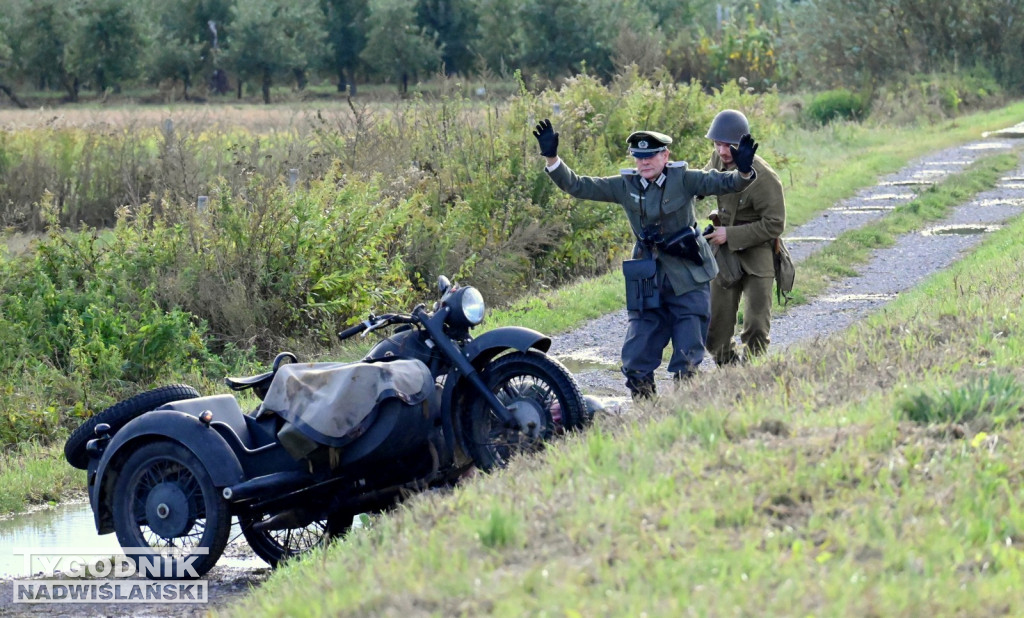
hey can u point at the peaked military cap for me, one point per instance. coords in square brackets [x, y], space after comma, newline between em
[644, 144]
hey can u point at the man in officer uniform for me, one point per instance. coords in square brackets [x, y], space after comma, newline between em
[658, 197]
[746, 223]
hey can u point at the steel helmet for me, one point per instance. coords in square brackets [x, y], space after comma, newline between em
[728, 126]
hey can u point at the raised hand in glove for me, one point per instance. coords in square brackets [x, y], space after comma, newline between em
[547, 137]
[743, 156]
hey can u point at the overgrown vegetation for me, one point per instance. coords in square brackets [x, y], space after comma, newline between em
[82, 306]
[792, 486]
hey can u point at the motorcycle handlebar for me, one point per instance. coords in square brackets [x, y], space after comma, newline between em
[351, 331]
[373, 323]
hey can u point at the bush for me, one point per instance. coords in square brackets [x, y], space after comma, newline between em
[839, 104]
[933, 97]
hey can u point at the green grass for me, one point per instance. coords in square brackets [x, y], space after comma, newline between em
[36, 474]
[824, 166]
[793, 486]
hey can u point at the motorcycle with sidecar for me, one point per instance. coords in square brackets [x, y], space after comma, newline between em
[169, 469]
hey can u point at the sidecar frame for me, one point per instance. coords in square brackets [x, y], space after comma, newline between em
[203, 440]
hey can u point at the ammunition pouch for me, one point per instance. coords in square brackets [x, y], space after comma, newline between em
[641, 284]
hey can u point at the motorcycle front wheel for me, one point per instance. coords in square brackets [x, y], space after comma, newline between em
[166, 504]
[533, 386]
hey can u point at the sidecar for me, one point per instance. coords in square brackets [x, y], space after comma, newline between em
[329, 441]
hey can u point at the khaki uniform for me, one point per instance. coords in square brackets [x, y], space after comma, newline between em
[758, 216]
[665, 205]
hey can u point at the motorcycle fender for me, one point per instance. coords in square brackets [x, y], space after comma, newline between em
[204, 442]
[484, 348]
[481, 351]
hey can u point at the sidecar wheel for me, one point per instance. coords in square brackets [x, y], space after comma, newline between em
[276, 546]
[534, 385]
[164, 499]
[118, 415]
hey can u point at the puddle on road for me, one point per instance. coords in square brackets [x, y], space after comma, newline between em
[789, 239]
[991, 146]
[950, 163]
[905, 183]
[847, 298]
[888, 196]
[66, 528]
[968, 229]
[581, 361]
[1011, 132]
[1010, 185]
[1000, 202]
[859, 210]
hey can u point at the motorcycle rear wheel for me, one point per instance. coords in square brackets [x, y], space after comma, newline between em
[165, 499]
[276, 546]
[532, 384]
[118, 415]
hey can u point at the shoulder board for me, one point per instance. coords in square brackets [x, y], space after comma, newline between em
[628, 171]
[677, 164]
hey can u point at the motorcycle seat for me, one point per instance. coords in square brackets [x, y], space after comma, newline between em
[225, 410]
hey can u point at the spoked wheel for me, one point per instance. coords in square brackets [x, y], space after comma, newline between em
[276, 546]
[542, 395]
[165, 501]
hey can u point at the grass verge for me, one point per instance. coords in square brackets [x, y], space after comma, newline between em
[798, 485]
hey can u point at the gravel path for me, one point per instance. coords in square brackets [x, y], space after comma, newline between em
[592, 351]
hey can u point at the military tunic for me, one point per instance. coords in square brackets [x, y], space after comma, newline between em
[757, 216]
[666, 205]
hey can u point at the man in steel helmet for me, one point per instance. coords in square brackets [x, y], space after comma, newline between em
[658, 197]
[746, 223]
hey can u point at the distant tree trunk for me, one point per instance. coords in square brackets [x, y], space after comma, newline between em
[10, 92]
[71, 85]
[300, 79]
[266, 86]
[239, 88]
[346, 84]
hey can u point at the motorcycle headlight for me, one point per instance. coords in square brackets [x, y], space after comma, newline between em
[467, 305]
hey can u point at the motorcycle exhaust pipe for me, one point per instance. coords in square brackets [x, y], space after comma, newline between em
[285, 520]
[276, 482]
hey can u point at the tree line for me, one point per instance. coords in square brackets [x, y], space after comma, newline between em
[108, 45]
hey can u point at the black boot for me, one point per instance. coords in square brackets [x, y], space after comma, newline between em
[641, 386]
[681, 377]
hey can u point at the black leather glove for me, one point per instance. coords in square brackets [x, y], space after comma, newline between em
[547, 137]
[743, 156]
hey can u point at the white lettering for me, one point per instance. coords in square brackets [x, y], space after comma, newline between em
[49, 564]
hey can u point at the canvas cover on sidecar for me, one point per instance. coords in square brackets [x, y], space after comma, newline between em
[331, 404]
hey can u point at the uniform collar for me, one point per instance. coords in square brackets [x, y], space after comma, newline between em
[660, 181]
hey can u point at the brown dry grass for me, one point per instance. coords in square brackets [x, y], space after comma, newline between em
[255, 118]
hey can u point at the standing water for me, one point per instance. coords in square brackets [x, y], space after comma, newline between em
[65, 527]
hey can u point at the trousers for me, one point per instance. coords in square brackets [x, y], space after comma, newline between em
[756, 293]
[682, 319]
